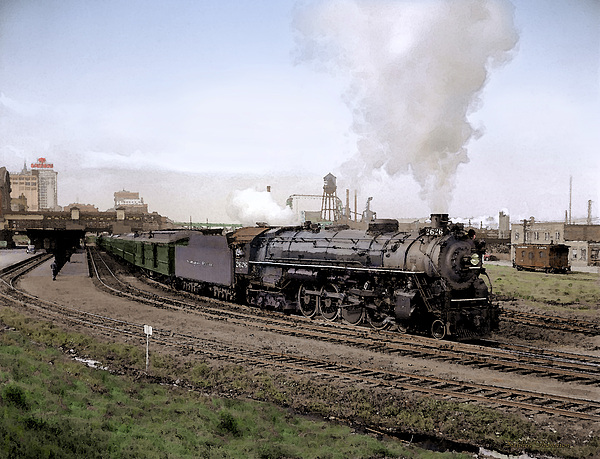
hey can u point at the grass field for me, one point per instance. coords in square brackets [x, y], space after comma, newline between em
[53, 406]
[574, 291]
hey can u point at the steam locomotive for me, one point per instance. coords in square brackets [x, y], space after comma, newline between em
[428, 281]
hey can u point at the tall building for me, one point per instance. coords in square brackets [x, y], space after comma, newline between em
[24, 188]
[37, 186]
[47, 184]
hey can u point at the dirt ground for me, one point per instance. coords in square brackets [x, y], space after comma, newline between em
[74, 287]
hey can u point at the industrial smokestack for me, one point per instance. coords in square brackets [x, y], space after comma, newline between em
[589, 219]
[570, 197]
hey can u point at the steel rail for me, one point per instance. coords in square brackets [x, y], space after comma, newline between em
[568, 367]
[490, 395]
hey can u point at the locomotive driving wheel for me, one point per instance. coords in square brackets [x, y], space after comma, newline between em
[377, 319]
[330, 306]
[438, 329]
[353, 314]
[307, 302]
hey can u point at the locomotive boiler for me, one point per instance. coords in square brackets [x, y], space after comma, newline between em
[427, 281]
[423, 281]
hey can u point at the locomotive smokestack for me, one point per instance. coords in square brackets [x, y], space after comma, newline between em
[439, 220]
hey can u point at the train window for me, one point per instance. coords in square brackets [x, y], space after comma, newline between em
[523, 254]
[531, 255]
[541, 254]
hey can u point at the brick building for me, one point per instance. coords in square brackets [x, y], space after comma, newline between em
[583, 240]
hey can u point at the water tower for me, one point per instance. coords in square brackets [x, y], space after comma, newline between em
[329, 204]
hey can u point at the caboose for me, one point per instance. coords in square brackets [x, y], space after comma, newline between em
[552, 258]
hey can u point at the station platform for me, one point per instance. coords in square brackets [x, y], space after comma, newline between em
[76, 267]
[9, 257]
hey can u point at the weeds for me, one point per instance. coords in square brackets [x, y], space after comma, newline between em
[54, 407]
[91, 413]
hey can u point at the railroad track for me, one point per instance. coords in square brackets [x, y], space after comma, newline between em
[553, 322]
[524, 360]
[517, 359]
[527, 401]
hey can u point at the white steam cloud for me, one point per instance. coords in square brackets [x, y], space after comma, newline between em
[250, 207]
[416, 71]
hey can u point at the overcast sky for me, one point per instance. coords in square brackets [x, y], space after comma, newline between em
[466, 107]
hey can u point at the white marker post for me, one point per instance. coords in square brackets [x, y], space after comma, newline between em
[148, 332]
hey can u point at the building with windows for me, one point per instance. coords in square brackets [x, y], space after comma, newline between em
[131, 202]
[47, 189]
[583, 240]
[37, 186]
[24, 191]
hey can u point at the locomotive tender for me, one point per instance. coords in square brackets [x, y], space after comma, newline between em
[425, 281]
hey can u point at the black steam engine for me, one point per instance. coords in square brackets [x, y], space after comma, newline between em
[427, 281]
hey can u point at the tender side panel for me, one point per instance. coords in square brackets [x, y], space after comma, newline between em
[206, 258]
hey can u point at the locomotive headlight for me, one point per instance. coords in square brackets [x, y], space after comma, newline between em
[475, 259]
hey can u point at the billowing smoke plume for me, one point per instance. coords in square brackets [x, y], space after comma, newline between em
[250, 207]
[415, 70]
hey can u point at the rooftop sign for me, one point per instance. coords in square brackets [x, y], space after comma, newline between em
[42, 164]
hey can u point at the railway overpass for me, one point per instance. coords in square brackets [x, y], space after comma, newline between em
[60, 232]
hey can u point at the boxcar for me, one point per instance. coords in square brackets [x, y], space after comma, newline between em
[542, 257]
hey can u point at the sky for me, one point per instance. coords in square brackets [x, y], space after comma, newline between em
[467, 107]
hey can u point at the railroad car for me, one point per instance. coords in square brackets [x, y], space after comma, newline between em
[550, 258]
[427, 281]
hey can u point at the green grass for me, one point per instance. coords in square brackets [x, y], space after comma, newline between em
[53, 406]
[577, 290]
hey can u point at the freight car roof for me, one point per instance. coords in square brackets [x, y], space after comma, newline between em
[157, 237]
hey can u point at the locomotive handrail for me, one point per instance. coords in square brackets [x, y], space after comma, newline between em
[296, 264]
[474, 300]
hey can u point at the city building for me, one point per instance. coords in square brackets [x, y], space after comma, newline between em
[4, 191]
[24, 191]
[81, 207]
[47, 184]
[130, 201]
[583, 240]
[37, 188]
